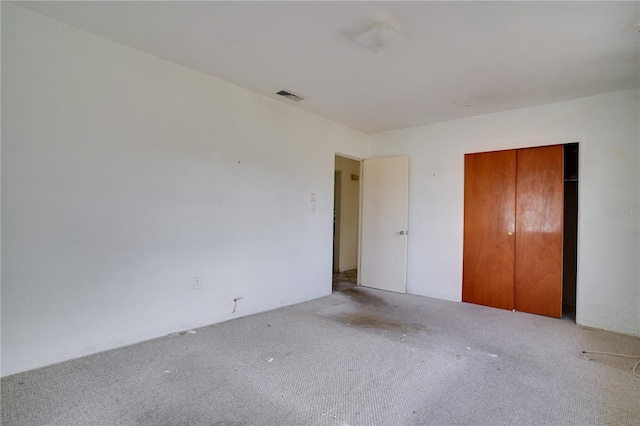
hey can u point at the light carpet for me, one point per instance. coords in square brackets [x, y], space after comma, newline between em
[357, 357]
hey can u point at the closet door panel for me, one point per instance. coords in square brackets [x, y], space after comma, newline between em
[489, 220]
[539, 230]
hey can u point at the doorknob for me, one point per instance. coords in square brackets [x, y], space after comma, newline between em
[403, 233]
[509, 232]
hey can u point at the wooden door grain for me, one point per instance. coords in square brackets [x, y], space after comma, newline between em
[539, 230]
[489, 225]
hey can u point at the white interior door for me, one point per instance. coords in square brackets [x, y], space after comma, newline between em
[385, 203]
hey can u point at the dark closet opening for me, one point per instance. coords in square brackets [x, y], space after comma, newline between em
[570, 246]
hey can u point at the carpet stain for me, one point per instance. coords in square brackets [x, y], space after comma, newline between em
[370, 320]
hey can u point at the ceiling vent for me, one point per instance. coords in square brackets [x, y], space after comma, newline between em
[290, 95]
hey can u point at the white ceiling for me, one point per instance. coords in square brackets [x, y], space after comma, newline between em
[459, 59]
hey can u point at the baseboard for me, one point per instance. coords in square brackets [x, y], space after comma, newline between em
[80, 352]
[440, 296]
[608, 327]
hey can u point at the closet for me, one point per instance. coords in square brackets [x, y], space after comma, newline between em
[513, 229]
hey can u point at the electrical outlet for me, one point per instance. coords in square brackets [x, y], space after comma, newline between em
[197, 283]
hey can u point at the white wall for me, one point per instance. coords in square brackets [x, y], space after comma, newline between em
[607, 128]
[349, 213]
[125, 176]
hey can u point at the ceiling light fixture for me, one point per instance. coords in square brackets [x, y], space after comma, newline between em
[379, 36]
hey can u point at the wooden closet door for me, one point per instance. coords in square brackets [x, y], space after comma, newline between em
[489, 224]
[539, 230]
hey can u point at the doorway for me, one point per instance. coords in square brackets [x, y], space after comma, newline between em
[346, 220]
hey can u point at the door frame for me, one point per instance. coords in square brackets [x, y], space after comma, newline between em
[360, 161]
[337, 203]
